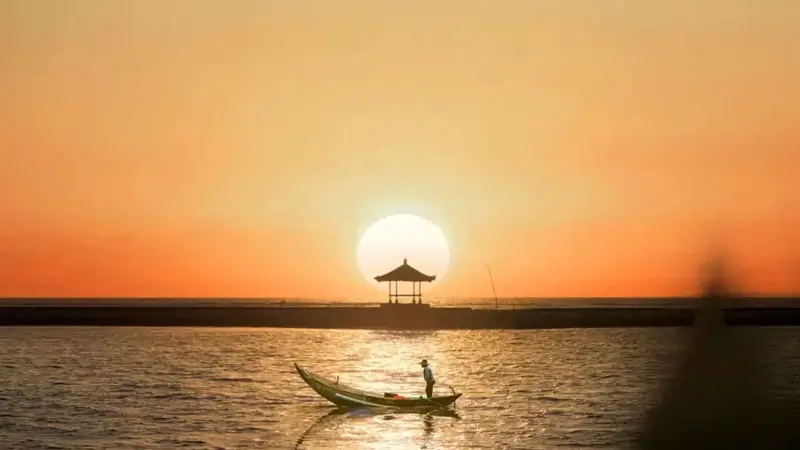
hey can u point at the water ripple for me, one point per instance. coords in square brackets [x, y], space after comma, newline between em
[167, 388]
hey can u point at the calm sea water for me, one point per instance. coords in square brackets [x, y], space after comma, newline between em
[103, 388]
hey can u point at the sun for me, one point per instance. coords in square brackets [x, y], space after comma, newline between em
[390, 240]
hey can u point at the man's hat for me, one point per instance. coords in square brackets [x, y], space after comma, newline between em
[424, 362]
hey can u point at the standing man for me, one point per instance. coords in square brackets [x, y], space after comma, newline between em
[427, 374]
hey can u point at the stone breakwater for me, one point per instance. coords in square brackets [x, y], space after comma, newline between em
[389, 317]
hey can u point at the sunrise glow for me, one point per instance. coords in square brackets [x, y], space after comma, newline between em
[400, 237]
[200, 149]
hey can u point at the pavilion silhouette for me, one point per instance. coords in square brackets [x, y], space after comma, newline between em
[406, 274]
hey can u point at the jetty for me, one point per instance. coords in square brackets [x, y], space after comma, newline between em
[391, 315]
[396, 317]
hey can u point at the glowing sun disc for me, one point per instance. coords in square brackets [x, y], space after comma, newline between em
[403, 236]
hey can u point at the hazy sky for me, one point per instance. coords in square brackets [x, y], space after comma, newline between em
[241, 147]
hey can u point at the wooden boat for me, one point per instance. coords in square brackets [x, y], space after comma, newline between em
[342, 395]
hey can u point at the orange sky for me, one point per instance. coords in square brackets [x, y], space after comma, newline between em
[194, 148]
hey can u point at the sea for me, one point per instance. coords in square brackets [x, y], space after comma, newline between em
[235, 388]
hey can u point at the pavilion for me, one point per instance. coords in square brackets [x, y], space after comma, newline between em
[405, 273]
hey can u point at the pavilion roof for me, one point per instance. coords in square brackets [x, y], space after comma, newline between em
[405, 273]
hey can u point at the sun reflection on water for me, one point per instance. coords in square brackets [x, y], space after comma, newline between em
[388, 362]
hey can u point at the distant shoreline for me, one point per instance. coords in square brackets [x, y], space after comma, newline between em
[405, 317]
[475, 302]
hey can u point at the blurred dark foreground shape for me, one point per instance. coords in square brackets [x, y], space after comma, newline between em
[718, 398]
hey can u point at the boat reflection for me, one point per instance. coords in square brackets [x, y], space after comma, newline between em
[429, 426]
[336, 419]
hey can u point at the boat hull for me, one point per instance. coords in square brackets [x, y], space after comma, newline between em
[346, 396]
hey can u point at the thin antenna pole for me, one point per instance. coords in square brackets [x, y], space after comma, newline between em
[493, 289]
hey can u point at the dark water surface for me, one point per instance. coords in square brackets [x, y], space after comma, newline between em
[103, 388]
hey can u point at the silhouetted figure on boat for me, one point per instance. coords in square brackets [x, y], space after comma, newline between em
[427, 374]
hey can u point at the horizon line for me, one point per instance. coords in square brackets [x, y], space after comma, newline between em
[363, 300]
